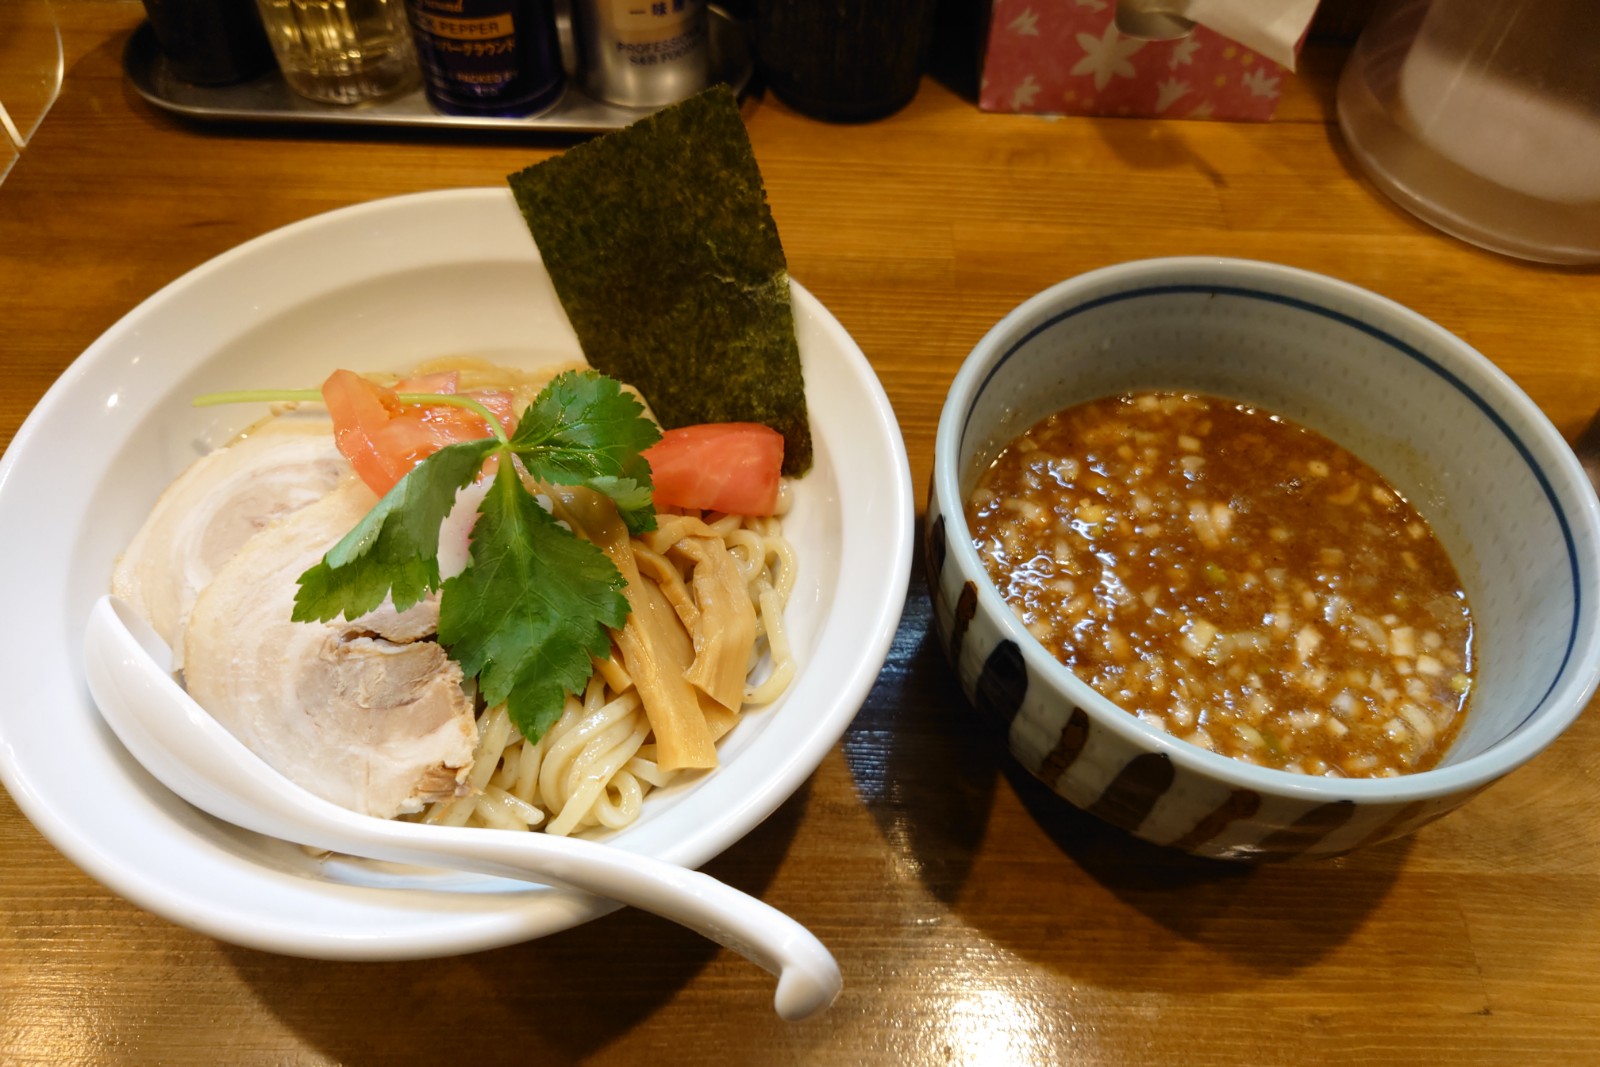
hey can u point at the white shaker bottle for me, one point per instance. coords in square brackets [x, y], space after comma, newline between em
[641, 53]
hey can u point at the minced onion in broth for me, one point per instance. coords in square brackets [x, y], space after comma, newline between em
[1238, 580]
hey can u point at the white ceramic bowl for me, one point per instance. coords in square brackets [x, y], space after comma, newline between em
[1484, 466]
[382, 286]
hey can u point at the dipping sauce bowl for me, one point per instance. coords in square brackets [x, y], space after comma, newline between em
[1501, 489]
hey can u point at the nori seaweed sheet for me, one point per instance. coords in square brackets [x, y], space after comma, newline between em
[667, 260]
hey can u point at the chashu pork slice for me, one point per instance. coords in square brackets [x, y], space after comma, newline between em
[215, 506]
[369, 714]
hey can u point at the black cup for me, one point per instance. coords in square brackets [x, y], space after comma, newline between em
[843, 60]
[210, 42]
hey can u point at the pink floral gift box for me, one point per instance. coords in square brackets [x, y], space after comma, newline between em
[1065, 57]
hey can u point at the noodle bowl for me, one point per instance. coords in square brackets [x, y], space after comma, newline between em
[371, 279]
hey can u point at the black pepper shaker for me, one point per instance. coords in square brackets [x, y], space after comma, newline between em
[843, 60]
[210, 42]
[488, 57]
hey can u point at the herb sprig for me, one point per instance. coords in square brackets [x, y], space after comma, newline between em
[534, 603]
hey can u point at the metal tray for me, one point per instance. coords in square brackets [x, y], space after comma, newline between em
[269, 99]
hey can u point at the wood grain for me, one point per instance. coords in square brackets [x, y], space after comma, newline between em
[977, 920]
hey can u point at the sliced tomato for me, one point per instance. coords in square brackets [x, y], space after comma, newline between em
[721, 466]
[361, 408]
[445, 382]
[454, 423]
[383, 438]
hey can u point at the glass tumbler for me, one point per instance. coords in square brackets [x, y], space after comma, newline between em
[31, 68]
[342, 51]
[1482, 117]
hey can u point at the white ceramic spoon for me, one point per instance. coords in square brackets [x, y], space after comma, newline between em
[197, 758]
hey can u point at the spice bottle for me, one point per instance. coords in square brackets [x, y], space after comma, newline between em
[488, 57]
[642, 53]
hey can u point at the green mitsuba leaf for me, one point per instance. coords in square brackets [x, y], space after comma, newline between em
[535, 603]
[394, 550]
[532, 609]
[584, 429]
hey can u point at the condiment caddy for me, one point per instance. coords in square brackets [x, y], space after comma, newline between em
[267, 98]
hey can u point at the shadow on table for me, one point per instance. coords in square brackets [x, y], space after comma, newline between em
[1266, 919]
[1060, 887]
[555, 1000]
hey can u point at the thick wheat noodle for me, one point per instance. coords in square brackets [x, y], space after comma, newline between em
[778, 642]
[765, 536]
[581, 761]
[770, 567]
[615, 814]
[596, 764]
[513, 808]
[494, 732]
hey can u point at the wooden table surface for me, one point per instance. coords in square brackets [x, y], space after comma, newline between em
[976, 921]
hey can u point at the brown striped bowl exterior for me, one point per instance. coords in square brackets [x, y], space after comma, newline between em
[1136, 777]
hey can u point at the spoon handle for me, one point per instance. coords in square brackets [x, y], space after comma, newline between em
[808, 975]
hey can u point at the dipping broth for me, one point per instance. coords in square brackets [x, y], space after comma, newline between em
[1238, 580]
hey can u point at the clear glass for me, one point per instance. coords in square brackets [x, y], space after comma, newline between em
[30, 70]
[342, 51]
[1483, 118]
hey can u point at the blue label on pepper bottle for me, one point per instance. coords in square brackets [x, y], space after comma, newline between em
[488, 57]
